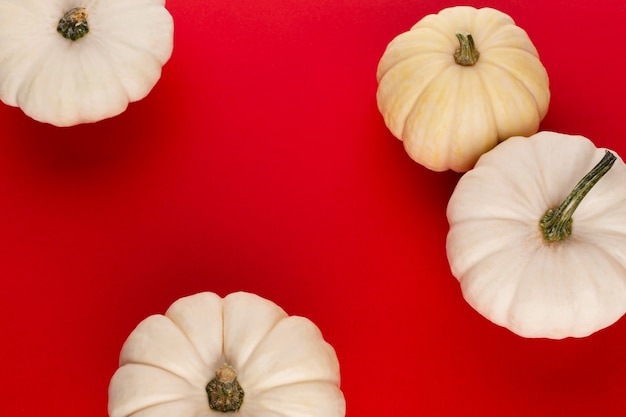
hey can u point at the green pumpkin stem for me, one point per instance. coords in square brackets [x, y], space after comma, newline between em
[73, 25]
[224, 392]
[467, 54]
[556, 224]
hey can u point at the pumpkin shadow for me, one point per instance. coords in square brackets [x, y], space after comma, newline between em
[88, 153]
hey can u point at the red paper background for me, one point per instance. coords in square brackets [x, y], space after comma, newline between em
[260, 162]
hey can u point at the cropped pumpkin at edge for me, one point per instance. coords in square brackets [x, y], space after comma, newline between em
[70, 62]
[458, 83]
[240, 355]
[537, 236]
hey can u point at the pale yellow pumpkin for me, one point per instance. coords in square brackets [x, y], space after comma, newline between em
[458, 83]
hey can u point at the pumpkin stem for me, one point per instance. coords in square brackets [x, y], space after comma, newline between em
[224, 392]
[467, 54]
[73, 24]
[556, 224]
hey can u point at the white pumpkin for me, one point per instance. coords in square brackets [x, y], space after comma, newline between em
[242, 354]
[530, 253]
[458, 83]
[66, 62]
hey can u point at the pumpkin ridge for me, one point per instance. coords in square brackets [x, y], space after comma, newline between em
[491, 217]
[304, 382]
[491, 22]
[154, 13]
[578, 310]
[412, 98]
[162, 368]
[485, 89]
[240, 367]
[522, 90]
[475, 285]
[197, 348]
[131, 91]
[278, 410]
[615, 260]
[510, 317]
[511, 36]
[188, 339]
[85, 114]
[254, 349]
[320, 363]
[154, 334]
[419, 55]
[409, 118]
[495, 248]
[37, 69]
[544, 177]
[129, 402]
[257, 345]
[541, 112]
[459, 107]
[519, 206]
[156, 404]
[509, 49]
[437, 23]
[103, 50]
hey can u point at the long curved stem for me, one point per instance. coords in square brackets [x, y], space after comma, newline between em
[556, 224]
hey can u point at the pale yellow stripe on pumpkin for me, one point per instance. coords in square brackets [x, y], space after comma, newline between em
[410, 44]
[474, 126]
[423, 129]
[482, 23]
[442, 126]
[449, 21]
[514, 107]
[509, 36]
[427, 128]
[488, 25]
[528, 70]
[402, 85]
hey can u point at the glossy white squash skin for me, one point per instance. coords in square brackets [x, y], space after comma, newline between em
[63, 82]
[496, 250]
[447, 115]
[283, 363]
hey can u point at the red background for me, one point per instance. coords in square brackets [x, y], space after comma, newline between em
[260, 162]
